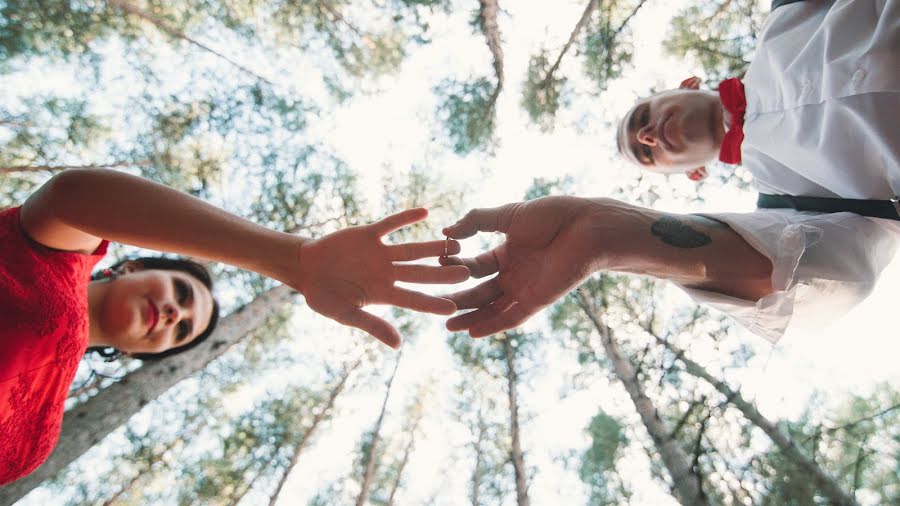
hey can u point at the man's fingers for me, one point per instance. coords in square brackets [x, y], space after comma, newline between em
[477, 296]
[494, 219]
[430, 273]
[467, 320]
[375, 326]
[483, 265]
[421, 302]
[399, 220]
[417, 250]
[500, 321]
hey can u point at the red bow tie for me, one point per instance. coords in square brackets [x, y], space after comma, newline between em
[731, 93]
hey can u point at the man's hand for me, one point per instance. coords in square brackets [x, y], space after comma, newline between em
[550, 249]
[351, 268]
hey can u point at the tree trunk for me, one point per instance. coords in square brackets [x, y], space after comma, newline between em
[236, 498]
[403, 461]
[487, 19]
[803, 463]
[119, 493]
[518, 459]
[684, 484]
[627, 19]
[476, 474]
[373, 447]
[87, 424]
[58, 168]
[585, 18]
[324, 414]
[175, 33]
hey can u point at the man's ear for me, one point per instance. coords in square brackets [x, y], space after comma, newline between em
[691, 83]
[131, 266]
[697, 175]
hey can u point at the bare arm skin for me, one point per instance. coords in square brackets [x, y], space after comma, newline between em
[552, 244]
[338, 273]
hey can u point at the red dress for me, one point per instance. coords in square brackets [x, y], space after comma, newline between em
[43, 335]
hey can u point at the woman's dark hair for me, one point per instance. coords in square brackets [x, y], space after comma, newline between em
[189, 267]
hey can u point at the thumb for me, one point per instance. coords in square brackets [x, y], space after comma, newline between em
[494, 219]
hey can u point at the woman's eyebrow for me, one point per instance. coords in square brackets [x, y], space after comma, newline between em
[190, 290]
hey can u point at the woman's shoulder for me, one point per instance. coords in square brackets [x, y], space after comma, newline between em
[17, 243]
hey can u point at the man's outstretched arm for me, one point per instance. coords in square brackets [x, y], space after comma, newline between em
[552, 244]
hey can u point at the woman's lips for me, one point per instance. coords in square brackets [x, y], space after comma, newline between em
[152, 316]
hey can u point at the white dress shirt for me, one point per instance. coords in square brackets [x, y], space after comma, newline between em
[822, 120]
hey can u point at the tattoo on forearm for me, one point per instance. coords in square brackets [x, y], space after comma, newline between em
[675, 232]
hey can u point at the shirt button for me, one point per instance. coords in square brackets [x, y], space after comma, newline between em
[858, 75]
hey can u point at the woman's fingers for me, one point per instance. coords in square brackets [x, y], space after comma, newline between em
[399, 220]
[477, 296]
[410, 273]
[417, 301]
[373, 325]
[417, 250]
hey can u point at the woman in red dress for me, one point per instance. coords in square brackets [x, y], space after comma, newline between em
[50, 311]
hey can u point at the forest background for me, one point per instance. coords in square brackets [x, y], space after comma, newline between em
[311, 115]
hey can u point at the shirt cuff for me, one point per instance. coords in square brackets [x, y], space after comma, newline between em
[784, 244]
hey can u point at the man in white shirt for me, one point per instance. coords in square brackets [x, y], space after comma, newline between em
[821, 118]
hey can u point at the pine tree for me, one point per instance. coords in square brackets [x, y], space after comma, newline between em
[501, 358]
[598, 463]
[720, 36]
[603, 40]
[469, 108]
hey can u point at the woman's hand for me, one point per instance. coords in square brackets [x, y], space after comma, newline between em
[339, 273]
[351, 268]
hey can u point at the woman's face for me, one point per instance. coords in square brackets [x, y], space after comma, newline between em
[154, 310]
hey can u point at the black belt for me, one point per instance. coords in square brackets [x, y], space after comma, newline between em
[889, 209]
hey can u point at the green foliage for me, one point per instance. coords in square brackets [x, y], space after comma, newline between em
[543, 93]
[45, 130]
[361, 51]
[54, 28]
[258, 441]
[467, 112]
[598, 463]
[605, 50]
[720, 36]
[541, 187]
[421, 187]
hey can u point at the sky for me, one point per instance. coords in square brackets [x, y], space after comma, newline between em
[397, 129]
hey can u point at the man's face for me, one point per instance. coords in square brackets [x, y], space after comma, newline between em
[673, 131]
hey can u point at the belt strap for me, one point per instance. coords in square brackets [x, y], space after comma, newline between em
[889, 209]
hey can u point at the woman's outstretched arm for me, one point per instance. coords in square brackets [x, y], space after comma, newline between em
[338, 273]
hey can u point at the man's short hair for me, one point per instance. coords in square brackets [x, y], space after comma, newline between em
[622, 134]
